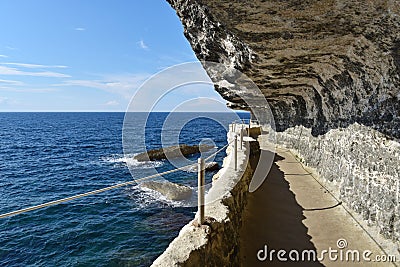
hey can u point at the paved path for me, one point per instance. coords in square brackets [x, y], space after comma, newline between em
[292, 211]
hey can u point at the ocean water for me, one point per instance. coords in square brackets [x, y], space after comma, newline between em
[47, 156]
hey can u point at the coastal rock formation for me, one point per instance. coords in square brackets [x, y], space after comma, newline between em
[172, 152]
[320, 64]
[209, 166]
[171, 190]
[330, 73]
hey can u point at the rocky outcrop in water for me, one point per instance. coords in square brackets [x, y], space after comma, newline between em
[171, 190]
[209, 166]
[172, 152]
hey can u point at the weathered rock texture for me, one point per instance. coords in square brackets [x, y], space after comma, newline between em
[321, 64]
[328, 67]
[172, 152]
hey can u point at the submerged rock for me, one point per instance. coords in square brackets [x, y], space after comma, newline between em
[172, 152]
[210, 166]
[171, 190]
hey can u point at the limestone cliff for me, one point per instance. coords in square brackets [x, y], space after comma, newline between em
[321, 64]
[330, 72]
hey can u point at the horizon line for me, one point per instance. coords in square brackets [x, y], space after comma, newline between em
[114, 111]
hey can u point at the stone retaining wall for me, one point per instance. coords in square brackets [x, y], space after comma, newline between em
[361, 167]
[215, 243]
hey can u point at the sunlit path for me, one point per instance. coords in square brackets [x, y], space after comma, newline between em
[292, 211]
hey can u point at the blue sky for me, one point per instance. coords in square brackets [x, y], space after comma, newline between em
[80, 55]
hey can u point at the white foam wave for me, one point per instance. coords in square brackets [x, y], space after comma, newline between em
[131, 162]
[145, 198]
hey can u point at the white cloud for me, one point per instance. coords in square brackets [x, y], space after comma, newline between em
[4, 70]
[80, 29]
[124, 85]
[112, 103]
[34, 66]
[11, 82]
[3, 56]
[28, 90]
[142, 45]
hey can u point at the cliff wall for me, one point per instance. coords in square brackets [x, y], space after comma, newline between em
[330, 73]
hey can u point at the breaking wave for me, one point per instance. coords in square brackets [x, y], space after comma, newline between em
[120, 160]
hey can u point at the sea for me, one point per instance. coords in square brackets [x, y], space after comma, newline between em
[46, 156]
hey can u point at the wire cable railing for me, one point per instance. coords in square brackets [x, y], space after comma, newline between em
[135, 181]
[219, 150]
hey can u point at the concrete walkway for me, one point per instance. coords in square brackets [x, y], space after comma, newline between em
[292, 211]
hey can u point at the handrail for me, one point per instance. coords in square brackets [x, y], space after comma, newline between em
[55, 202]
[59, 201]
[215, 153]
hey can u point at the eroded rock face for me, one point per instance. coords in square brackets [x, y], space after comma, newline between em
[320, 64]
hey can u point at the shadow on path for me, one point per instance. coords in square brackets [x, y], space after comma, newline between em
[274, 218]
[325, 208]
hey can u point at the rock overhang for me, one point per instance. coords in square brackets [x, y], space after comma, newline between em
[320, 64]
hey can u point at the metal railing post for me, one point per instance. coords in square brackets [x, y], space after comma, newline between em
[248, 133]
[241, 138]
[235, 151]
[200, 189]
